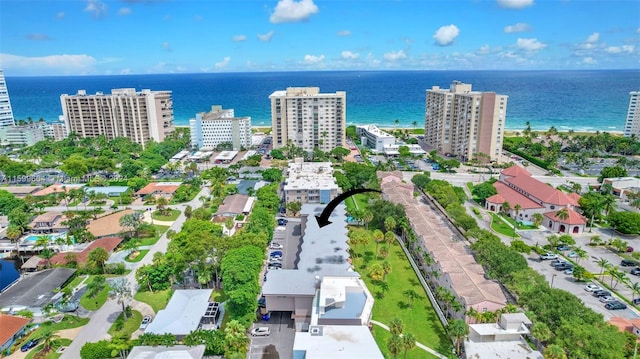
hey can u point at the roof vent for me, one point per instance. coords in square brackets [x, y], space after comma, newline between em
[315, 331]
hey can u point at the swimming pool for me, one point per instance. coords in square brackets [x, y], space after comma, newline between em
[52, 237]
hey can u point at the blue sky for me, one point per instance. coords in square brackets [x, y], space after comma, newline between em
[83, 37]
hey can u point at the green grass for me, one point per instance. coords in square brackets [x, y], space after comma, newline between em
[173, 215]
[138, 258]
[218, 295]
[501, 227]
[52, 354]
[69, 321]
[381, 336]
[418, 131]
[157, 300]
[149, 241]
[76, 281]
[130, 325]
[390, 303]
[361, 199]
[96, 302]
[470, 186]
[514, 223]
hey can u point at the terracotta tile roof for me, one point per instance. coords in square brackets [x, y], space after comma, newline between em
[159, 187]
[496, 198]
[514, 197]
[57, 188]
[10, 325]
[515, 171]
[107, 225]
[108, 243]
[574, 217]
[624, 324]
[574, 197]
[540, 190]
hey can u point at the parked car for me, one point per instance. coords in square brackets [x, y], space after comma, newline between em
[572, 254]
[601, 293]
[568, 271]
[615, 305]
[282, 222]
[636, 301]
[275, 254]
[635, 271]
[592, 288]
[607, 299]
[564, 266]
[145, 322]
[563, 247]
[275, 260]
[559, 264]
[275, 266]
[261, 332]
[274, 245]
[30, 344]
[629, 249]
[628, 263]
[548, 256]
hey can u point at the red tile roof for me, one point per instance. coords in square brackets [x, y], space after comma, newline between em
[540, 190]
[108, 243]
[159, 187]
[496, 198]
[574, 217]
[515, 171]
[513, 197]
[10, 325]
[575, 198]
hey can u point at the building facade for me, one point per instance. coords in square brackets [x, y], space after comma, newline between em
[465, 123]
[374, 138]
[632, 123]
[210, 129]
[308, 119]
[6, 113]
[310, 182]
[23, 135]
[140, 116]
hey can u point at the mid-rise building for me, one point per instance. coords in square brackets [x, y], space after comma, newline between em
[464, 123]
[210, 129]
[140, 116]
[23, 135]
[6, 114]
[374, 138]
[632, 124]
[308, 119]
[310, 182]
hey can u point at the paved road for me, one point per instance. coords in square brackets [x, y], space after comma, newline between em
[102, 319]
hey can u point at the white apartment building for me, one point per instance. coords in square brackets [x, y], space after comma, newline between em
[6, 114]
[209, 129]
[463, 122]
[23, 135]
[140, 116]
[374, 138]
[632, 124]
[308, 118]
[310, 182]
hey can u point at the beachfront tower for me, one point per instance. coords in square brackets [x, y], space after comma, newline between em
[140, 116]
[465, 123]
[308, 119]
[6, 114]
[632, 124]
[210, 129]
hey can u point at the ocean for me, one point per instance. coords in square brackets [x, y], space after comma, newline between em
[577, 100]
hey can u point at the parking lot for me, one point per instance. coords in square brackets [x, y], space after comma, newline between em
[279, 343]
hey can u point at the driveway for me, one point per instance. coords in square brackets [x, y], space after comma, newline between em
[279, 344]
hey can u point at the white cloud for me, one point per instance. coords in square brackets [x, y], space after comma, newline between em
[348, 55]
[483, 50]
[166, 46]
[266, 37]
[223, 63]
[60, 15]
[96, 8]
[519, 27]
[239, 38]
[446, 35]
[589, 61]
[313, 60]
[293, 11]
[343, 33]
[620, 49]
[124, 11]
[48, 65]
[593, 38]
[530, 44]
[38, 37]
[395, 55]
[515, 4]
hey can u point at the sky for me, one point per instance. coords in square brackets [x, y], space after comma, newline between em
[102, 37]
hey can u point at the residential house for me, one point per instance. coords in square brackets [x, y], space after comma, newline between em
[49, 222]
[627, 325]
[56, 188]
[11, 329]
[21, 191]
[106, 243]
[158, 189]
[184, 313]
[500, 340]
[236, 204]
[163, 352]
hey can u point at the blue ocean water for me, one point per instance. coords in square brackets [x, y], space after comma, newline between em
[578, 100]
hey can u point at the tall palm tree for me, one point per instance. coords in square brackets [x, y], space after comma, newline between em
[411, 295]
[386, 266]
[396, 327]
[390, 224]
[537, 219]
[408, 343]
[603, 263]
[562, 214]
[121, 292]
[458, 329]
[517, 208]
[395, 344]
[48, 338]
[378, 236]
[376, 272]
[635, 289]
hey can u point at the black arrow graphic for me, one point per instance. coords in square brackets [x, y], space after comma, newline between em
[323, 219]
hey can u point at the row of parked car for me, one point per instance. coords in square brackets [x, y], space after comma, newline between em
[605, 296]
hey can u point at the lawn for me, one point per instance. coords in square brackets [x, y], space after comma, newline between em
[69, 321]
[157, 300]
[381, 336]
[218, 295]
[149, 241]
[130, 325]
[52, 354]
[498, 225]
[138, 257]
[96, 302]
[390, 302]
[173, 215]
[360, 200]
[76, 281]
[518, 225]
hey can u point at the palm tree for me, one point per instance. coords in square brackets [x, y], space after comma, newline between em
[415, 124]
[537, 219]
[98, 256]
[635, 289]
[229, 223]
[131, 245]
[506, 207]
[161, 205]
[48, 338]
[408, 343]
[390, 224]
[603, 263]
[411, 295]
[367, 217]
[376, 272]
[386, 266]
[396, 327]
[562, 214]
[389, 238]
[395, 344]
[580, 253]
[121, 292]
[378, 236]
[458, 329]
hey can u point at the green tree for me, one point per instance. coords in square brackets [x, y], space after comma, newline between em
[411, 296]
[48, 338]
[131, 245]
[121, 292]
[235, 339]
[421, 180]
[612, 172]
[408, 343]
[294, 207]
[378, 237]
[390, 224]
[555, 351]
[376, 272]
[625, 222]
[396, 327]
[395, 344]
[541, 332]
[161, 205]
[96, 285]
[458, 329]
[75, 166]
[97, 257]
[272, 175]
[339, 153]
[483, 191]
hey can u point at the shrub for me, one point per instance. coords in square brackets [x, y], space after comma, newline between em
[520, 246]
[96, 350]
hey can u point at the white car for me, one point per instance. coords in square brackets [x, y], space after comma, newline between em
[548, 256]
[274, 245]
[145, 322]
[281, 228]
[572, 255]
[261, 332]
[607, 299]
[592, 287]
